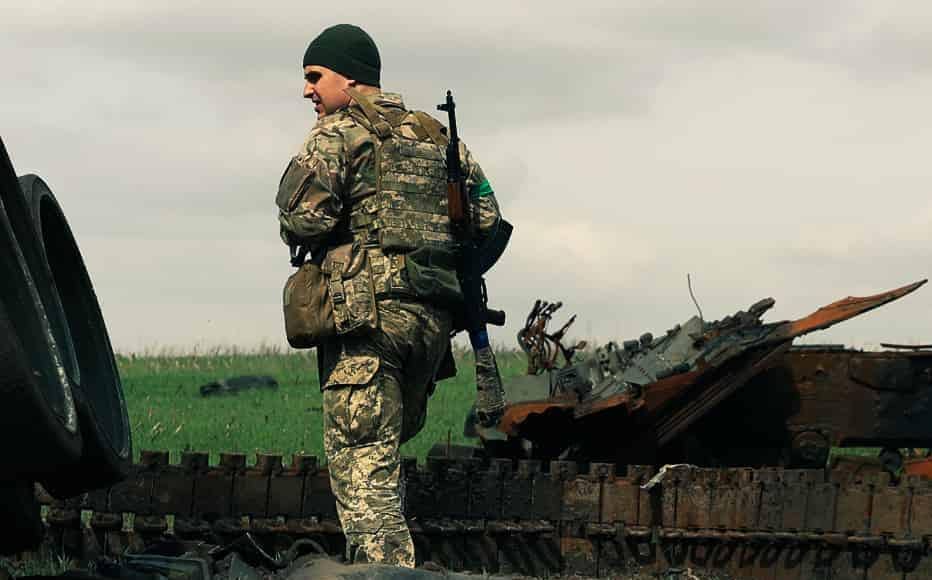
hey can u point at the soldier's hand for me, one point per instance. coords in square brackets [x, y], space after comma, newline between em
[490, 395]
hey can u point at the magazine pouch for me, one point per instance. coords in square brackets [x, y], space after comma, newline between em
[352, 293]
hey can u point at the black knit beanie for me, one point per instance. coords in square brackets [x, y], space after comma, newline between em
[348, 50]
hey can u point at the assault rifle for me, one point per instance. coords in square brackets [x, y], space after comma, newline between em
[472, 262]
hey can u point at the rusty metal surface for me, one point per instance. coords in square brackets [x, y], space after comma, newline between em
[544, 518]
[697, 406]
[824, 396]
[920, 467]
[843, 309]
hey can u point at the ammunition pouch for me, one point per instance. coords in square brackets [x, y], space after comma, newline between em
[348, 275]
[334, 298]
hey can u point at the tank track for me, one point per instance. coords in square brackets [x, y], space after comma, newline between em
[541, 519]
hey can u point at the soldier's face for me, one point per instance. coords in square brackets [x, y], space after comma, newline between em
[325, 88]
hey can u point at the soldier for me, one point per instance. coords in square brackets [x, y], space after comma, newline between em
[366, 194]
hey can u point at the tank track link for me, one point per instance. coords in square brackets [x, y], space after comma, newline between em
[532, 518]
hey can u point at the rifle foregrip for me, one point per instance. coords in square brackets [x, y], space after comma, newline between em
[495, 317]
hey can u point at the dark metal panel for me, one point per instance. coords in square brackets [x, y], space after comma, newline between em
[213, 488]
[669, 490]
[451, 477]
[518, 492]
[548, 494]
[251, 491]
[173, 492]
[134, 493]
[920, 516]
[581, 497]
[318, 499]
[724, 501]
[486, 489]
[620, 501]
[821, 507]
[748, 499]
[693, 499]
[286, 493]
[771, 502]
[890, 511]
[795, 495]
[853, 509]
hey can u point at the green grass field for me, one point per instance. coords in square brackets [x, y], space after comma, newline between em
[166, 410]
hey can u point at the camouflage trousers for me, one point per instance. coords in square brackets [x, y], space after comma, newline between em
[375, 397]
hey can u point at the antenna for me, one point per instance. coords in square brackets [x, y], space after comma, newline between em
[689, 284]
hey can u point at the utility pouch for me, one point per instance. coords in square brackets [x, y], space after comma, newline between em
[431, 274]
[352, 292]
[309, 319]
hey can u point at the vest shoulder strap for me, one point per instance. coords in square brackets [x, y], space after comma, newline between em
[378, 124]
[433, 128]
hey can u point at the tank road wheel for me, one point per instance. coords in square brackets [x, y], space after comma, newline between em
[38, 421]
[99, 393]
[809, 450]
[25, 233]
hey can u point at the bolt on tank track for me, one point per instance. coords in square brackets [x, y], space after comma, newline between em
[536, 518]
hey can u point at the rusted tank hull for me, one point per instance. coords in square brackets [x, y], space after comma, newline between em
[817, 398]
[783, 407]
[728, 392]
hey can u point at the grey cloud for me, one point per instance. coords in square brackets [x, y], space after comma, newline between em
[768, 149]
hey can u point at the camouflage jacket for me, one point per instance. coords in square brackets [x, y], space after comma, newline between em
[340, 152]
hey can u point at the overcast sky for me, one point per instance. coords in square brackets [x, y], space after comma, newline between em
[769, 149]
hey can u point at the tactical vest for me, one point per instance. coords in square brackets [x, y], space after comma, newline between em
[404, 224]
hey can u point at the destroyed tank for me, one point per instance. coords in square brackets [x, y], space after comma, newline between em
[731, 392]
